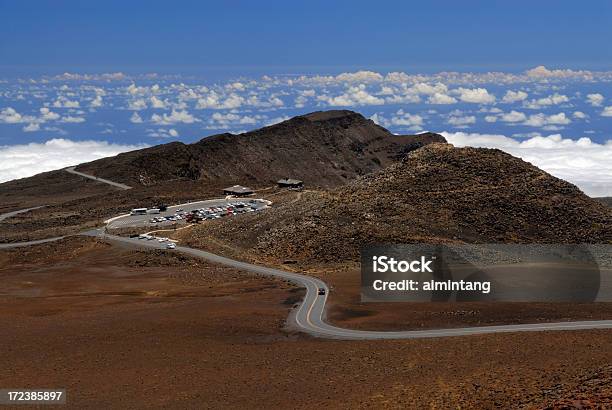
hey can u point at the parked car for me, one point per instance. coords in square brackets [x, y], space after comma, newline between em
[321, 291]
[170, 245]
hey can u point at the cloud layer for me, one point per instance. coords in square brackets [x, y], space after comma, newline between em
[20, 161]
[581, 162]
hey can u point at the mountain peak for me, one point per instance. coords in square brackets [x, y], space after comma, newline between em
[331, 115]
[324, 148]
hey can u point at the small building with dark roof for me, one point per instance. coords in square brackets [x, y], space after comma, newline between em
[238, 190]
[290, 183]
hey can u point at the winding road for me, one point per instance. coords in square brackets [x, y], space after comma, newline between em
[309, 316]
[94, 178]
[20, 211]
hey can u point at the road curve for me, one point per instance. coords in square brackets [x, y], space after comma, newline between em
[309, 317]
[29, 243]
[105, 181]
[20, 211]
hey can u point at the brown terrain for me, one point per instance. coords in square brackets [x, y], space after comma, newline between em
[119, 327]
[322, 148]
[605, 200]
[123, 327]
[436, 194]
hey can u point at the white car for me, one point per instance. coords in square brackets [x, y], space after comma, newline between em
[170, 245]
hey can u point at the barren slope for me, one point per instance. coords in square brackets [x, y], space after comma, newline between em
[437, 194]
[122, 328]
[322, 148]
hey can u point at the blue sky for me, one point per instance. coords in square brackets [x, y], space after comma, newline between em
[246, 37]
[82, 80]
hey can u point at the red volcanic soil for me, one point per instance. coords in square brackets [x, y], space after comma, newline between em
[118, 327]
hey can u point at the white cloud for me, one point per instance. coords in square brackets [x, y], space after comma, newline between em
[475, 95]
[137, 105]
[238, 86]
[10, 116]
[213, 100]
[232, 101]
[96, 102]
[401, 119]
[541, 75]
[90, 77]
[70, 119]
[48, 115]
[513, 116]
[228, 119]
[582, 162]
[133, 89]
[540, 120]
[136, 119]
[554, 99]
[20, 161]
[173, 118]
[579, 115]
[31, 127]
[353, 96]
[428, 89]
[461, 122]
[360, 77]
[99, 91]
[595, 99]
[440, 98]
[607, 112]
[162, 133]
[490, 118]
[403, 99]
[63, 102]
[157, 103]
[541, 72]
[514, 96]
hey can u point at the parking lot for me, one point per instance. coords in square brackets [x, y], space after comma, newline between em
[199, 211]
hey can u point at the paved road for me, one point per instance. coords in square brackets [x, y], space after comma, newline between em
[20, 211]
[29, 243]
[309, 317]
[106, 181]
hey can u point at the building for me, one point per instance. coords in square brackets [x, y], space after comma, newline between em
[238, 190]
[290, 183]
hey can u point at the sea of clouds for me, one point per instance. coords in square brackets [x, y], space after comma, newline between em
[558, 119]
